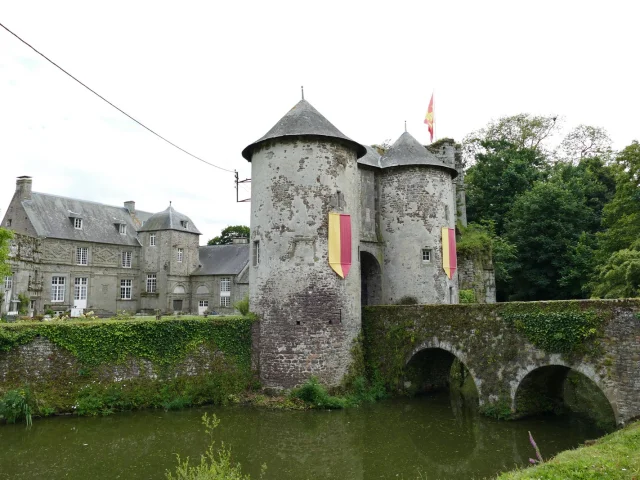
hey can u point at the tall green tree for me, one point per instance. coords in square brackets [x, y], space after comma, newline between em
[543, 224]
[501, 172]
[228, 234]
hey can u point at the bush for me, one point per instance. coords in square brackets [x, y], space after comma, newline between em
[23, 306]
[243, 306]
[315, 395]
[214, 465]
[407, 300]
[467, 296]
[14, 406]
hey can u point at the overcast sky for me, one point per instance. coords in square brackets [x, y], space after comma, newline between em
[215, 76]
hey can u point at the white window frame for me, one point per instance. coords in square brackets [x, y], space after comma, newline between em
[126, 259]
[152, 283]
[80, 288]
[225, 292]
[203, 303]
[256, 253]
[152, 239]
[122, 229]
[77, 223]
[8, 282]
[126, 289]
[82, 256]
[426, 255]
[180, 254]
[225, 301]
[58, 285]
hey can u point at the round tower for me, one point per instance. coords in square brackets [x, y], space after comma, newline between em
[417, 199]
[302, 170]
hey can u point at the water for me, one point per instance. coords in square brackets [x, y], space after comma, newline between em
[425, 437]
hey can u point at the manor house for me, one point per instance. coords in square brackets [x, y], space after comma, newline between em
[76, 255]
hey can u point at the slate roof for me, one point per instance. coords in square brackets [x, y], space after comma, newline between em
[52, 217]
[222, 259]
[169, 219]
[372, 157]
[303, 119]
[408, 151]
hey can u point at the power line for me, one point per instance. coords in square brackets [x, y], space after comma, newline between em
[114, 106]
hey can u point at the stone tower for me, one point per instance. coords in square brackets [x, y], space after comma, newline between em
[170, 253]
[417, 199]
[301, 170]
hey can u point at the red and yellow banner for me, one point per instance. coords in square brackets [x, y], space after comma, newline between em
[429, 119]
[340, 243]
[449, 257]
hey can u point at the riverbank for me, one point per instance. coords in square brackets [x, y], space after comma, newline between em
[614, 456]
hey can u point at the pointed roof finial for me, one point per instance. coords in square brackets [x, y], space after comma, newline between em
[169, 202]
[405, 125]
[302, 89]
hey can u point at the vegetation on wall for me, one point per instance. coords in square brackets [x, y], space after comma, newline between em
[86, 374]
[5, 238]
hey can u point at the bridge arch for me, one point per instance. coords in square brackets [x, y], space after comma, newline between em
[435, 344]
[548, 381]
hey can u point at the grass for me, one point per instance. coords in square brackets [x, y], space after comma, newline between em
[614, 456]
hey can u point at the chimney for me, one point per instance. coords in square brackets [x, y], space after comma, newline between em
[131, 206]
[23, 187]
[239, 240]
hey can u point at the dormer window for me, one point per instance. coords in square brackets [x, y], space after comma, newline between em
[123, 229]
[8, 222]
[77, 223]
[184, 224]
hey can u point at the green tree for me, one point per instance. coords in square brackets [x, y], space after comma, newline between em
[228, 234]
[543, 224]
[5, 238]
[585, 141]
[501, 172]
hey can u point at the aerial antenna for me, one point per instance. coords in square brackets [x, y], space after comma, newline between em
[238, 183]
[302, 89]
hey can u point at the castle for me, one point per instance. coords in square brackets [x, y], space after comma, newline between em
[396, 205]
[302, 170]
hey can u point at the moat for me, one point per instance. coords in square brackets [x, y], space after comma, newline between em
[424, 437]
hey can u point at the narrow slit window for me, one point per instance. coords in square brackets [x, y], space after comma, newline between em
[180, 255]
[152, 240]
[256, 253]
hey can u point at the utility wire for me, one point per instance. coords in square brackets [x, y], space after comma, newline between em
[114, 106]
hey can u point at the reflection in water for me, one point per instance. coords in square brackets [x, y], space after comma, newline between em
[393, 439]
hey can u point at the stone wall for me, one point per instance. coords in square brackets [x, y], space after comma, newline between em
[478, 275]
[499, 356]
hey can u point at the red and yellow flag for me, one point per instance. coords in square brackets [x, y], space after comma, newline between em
[340, 243]
[449, 257]
[429, 119]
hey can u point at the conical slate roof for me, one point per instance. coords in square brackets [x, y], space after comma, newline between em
[372, 158]
[169, 219]
[408, 151]
[303, 119]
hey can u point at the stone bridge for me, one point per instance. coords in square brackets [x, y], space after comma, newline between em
[519, 355]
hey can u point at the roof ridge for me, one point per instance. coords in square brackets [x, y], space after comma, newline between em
[86, 201]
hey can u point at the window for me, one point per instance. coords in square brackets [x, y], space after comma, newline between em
[180, 254]
[123, 229]
[8, 222]
[256, 253]
[57, 289]
[203, 303]
[125, 289]
[225, 292]
[8, 282]
[126, 259]
[80, 288]
[77, 223]
[152, 283]
[184, 224]
[426, 255]
[82, 256]
[152, 240]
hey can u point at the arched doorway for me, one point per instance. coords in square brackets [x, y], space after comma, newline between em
[371, 280]
[559, 389]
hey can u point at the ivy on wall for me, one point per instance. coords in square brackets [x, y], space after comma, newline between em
[163, 342]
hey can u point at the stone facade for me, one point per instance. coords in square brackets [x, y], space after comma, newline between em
[302, 170]
[73, 255]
